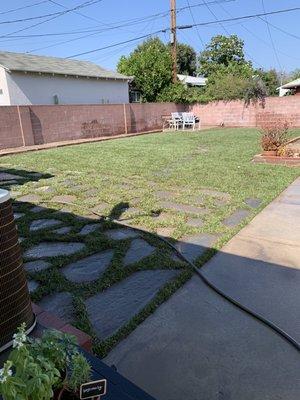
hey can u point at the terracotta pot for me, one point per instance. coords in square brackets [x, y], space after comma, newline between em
[269, 153]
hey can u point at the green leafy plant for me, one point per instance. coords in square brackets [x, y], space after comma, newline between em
[37, 367]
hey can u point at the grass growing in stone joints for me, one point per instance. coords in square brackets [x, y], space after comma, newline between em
[195, 188]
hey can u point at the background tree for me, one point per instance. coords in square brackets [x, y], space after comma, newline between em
[221, 51]
[271, 79]
[150, 63]
[178, 93]
[186, 59]
[294, 75]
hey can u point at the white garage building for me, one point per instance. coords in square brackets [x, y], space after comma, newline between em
[30, 79]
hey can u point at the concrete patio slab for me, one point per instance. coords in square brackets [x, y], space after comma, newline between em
[198, 346]
[260, 266]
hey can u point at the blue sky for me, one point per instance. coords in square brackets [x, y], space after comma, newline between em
[101, 18]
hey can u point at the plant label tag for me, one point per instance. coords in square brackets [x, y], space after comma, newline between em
[93, 389]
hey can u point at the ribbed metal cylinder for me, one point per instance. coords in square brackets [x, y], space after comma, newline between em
[15, 304]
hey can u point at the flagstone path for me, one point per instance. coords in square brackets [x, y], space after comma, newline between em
[78, 264]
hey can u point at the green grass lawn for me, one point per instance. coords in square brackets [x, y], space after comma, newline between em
[210, 170]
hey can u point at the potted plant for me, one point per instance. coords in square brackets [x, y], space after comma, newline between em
[42, 369]
[274, 135]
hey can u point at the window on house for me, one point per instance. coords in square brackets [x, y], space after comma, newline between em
[1, 91]
[135, 96]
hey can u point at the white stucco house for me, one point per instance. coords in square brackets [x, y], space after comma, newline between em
[31, 79]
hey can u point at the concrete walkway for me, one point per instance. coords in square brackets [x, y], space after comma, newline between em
[198, 346]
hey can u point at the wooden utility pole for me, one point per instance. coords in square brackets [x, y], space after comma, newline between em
[173, 40]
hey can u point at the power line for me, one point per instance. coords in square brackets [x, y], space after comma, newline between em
[63, 42]
[23, 7]
[85, 4]
[197, 30]
[258, 37]
[94, 32]
[116, 44]
[127, 21]
[286, 10]
[83, 15]
[271, 38]
[227, 32]
[280, 29]
[188, 26]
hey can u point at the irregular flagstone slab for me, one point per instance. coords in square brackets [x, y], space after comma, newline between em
[92, 216]
[236, 218]
[53, 249]
[121, 234]
[129, 213]
[5, 176]
[176, 258]
[162, 216]
[9, 183]
[62, 231]
[64, 199]
[36, 174]
[43, 224]
[36, 266]
[184, 208]
[220, 202]
[30, 198]
[166, 232]
[32, 285]
[89, 268]
[15, 194]
[90, 228]
[195, 222]
[59, 304]
[37, 209]
[164, 194]
[46, 189]
[78, 188]
[110, 310]
[18, 215]
[194, 246]
[91, 192]
[99, 208]
[69, 183]
[216, 193]
[138, 250]
[253, 203]
[198, 199]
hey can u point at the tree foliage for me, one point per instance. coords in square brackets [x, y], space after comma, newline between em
[294, 75]
[271, 80]
[178, 93]
[186, 59]
[150, 64]
[220, 52]
[230, 75]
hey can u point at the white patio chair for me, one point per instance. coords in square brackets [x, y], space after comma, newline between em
[188, 119]
[175, 121]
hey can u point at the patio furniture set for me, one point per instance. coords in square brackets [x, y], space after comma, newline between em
[181, 120]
